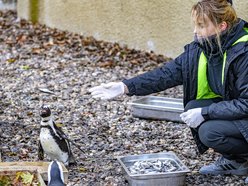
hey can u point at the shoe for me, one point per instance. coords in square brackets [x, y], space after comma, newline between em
[246, 180]
[224, 166]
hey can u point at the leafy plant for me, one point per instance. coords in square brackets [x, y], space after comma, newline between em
[20, 178]
[5, 180]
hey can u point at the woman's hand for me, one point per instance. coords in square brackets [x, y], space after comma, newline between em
[108, 91]
[193, 117]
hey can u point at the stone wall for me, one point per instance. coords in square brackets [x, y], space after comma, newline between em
[163, 26]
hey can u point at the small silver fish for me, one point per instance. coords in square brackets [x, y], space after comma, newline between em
[153, 166]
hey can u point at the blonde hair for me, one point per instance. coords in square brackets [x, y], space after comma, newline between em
[216, 11]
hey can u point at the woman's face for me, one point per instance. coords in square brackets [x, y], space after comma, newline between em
[204, 28]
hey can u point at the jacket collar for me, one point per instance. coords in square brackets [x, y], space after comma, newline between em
[236, 51]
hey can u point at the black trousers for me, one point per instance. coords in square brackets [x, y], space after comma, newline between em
[221, 135]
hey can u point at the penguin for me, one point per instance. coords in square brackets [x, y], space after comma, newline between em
[55, 174]
[52, 140]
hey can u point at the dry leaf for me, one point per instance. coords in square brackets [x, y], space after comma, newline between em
[36, 50]
[82, 169]
[106, 64]
[25, 67]
[59, 125]
[134, 62]
[11, 60]
[21, 38]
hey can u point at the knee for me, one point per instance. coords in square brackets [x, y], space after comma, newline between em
[198, 103]
[192, 104]
[208, 136]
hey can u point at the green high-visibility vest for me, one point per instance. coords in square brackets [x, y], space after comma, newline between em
[203, 89]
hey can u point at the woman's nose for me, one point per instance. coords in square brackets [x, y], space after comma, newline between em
[195, 30]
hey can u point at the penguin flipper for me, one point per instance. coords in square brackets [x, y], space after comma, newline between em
[40, 152]
[71, 159]
[60, 131]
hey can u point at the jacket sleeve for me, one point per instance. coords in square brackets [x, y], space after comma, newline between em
[236, 108]
[159, 79]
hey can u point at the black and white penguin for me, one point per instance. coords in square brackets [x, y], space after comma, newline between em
[55, 174]
[52, 140]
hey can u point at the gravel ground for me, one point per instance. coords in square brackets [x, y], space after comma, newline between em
[35, 56]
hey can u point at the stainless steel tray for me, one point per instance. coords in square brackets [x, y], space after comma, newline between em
[176, 178]
[155, 107]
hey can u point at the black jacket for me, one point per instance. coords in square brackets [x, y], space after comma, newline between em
[183, 71]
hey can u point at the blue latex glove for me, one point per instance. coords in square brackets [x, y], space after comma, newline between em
[193, 117]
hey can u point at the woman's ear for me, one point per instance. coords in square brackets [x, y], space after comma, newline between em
[223, 26]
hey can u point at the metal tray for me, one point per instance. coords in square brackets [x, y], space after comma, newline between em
[176, 178]
[154, 107]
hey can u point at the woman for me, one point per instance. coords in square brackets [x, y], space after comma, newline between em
[213, 70]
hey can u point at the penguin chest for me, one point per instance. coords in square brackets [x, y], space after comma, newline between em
[51, 147]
